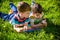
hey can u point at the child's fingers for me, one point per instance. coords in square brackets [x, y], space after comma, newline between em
[25, 27]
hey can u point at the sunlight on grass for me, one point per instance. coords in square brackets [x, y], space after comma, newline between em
[52, 13]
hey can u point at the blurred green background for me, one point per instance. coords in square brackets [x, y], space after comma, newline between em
[51, 9]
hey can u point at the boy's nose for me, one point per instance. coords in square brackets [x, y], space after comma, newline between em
[37, 16]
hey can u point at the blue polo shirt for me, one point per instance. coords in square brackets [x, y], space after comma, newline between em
[15, 21]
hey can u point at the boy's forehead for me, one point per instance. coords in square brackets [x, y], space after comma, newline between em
[35, 5]
[27, 12]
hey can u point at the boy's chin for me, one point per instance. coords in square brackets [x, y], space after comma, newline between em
[38, 17]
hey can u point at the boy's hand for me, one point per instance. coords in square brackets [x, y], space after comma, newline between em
[44, 22]
[25, 27]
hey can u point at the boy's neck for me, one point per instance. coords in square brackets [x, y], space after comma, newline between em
[21, 16]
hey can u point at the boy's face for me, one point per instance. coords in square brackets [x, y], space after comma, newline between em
[38, 15]
[26, 14]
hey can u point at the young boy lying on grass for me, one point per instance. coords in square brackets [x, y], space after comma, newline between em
[37, 20]
[20, 19]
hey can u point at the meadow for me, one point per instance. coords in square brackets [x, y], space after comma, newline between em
[51, 9]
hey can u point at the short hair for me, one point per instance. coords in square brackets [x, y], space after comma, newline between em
[22, 7]
[37, 8]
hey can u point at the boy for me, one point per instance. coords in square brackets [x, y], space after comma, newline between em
[21, 17]
[36, 16]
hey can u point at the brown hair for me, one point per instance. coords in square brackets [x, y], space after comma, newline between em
[37, 8]
[22, 7]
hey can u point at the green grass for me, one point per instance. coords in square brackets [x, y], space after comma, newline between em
[51, 32]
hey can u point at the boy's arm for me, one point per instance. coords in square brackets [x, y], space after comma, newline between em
[43, 23]
[14, 23]
[26, 24]
[40, 25]
[18, 25]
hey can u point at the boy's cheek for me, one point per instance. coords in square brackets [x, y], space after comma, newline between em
[27, 15]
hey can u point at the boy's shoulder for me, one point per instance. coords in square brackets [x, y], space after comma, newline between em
[17, 18]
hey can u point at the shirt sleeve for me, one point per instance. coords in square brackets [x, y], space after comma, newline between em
[13, 21]
[27, 20]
